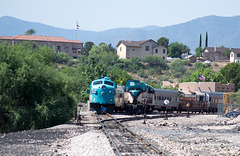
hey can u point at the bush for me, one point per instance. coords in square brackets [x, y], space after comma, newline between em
[33, 93]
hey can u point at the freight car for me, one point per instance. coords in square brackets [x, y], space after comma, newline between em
[201, 102]
[102, 93]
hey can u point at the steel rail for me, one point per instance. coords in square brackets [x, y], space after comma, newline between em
[160, 151]
[106, 132]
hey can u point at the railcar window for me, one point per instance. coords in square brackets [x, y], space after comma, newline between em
[97, 82]
[109, 83]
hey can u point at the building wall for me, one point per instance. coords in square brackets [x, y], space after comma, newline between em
[234, 57]
[121, 51]
[206, 87]
[72, 49]
[214, 56]
[160, 51]
[133, 52]
[147, 48]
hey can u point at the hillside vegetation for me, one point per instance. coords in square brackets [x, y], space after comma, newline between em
[40, 88]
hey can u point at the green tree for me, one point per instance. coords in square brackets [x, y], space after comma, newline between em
[200, 41]
[163, 41]
[235, 98]
[178, 68]
[155, 62]
[231, 74]
[62, 58]
[206, 72]
[176, 49]
[199, 52]
[32, 92]
[30, 32]
[87, 47]
[206, 41]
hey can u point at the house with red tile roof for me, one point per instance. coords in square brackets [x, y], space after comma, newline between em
[59, 44]
[129, 49]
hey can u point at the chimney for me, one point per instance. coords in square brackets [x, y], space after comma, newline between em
[215, 48]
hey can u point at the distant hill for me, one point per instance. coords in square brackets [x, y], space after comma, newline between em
[221, 31]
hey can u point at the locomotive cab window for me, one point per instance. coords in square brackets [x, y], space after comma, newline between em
[97, 82]
[109, 83]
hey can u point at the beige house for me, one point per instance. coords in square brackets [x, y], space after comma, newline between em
[202, 86]
[206, 87]
[59, 44]
[215, 54]
[129, 49]
[235, 55]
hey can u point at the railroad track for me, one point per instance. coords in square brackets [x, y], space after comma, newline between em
[125, 141]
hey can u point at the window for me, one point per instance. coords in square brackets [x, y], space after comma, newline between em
[156, 50]
[146, 48]
[238, 55]
[97, 82]
[231, 55]
[164, 50]
[66, 49]
[163, 57]
[58, 48]
[133, 49]
[120, 48]
[109, 83]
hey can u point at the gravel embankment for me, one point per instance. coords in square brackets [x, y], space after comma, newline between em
[197, 135]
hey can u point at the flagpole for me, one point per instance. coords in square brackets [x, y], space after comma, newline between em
[77, 27]
[76, 34]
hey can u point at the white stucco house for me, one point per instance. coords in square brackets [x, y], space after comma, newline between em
[235, 55]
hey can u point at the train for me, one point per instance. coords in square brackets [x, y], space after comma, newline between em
[137, 97]
[102, 94]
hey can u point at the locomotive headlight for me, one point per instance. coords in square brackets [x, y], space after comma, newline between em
[103, 87]
[103, 93]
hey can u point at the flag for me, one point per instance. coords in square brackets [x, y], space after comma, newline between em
[77, 26]
[200, 77]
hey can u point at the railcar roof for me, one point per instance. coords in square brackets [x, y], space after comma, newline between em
[166, 91]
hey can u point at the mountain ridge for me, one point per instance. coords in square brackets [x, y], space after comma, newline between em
[221, 31]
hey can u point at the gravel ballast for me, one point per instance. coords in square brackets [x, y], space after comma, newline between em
[197, 135]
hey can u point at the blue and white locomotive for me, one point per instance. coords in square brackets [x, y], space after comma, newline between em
[102, 92]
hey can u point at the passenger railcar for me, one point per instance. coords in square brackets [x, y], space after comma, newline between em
[102, 92]
[160, 95]
[214, 99]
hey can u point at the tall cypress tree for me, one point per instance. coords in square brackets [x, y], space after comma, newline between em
[206, 42]
[200, 41]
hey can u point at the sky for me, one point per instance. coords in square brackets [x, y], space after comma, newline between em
[100, 15]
